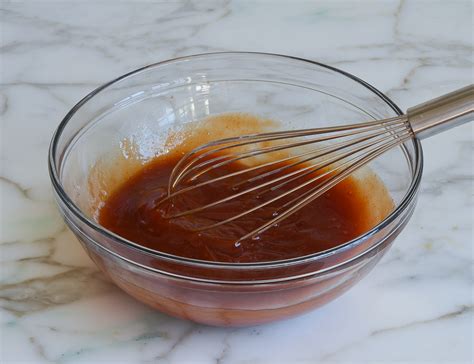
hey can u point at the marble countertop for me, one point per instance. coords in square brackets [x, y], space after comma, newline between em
[415, 306]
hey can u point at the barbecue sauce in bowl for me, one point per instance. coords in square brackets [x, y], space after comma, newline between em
[229, 284]
[134, 211]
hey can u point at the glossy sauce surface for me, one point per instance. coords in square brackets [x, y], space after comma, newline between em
[134, 211]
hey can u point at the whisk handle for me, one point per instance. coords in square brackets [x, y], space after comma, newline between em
[444, 112]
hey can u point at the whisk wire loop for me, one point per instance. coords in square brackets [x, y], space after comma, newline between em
[329, 163]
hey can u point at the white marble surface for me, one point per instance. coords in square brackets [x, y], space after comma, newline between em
[416, 306]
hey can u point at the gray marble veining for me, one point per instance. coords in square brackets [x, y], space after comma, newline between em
[416, 306]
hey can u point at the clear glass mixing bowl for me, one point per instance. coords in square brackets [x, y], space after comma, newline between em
[145, 105]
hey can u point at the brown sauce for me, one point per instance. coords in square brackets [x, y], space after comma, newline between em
[125, 194]
[134, 212]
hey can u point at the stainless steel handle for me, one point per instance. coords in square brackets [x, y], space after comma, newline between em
[444, 112]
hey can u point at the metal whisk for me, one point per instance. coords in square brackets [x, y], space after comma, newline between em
[308, 162]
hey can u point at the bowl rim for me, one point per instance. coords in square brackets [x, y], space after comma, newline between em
[63, 196]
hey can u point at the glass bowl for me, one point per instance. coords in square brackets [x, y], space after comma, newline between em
[145, 105]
